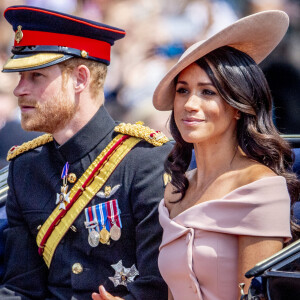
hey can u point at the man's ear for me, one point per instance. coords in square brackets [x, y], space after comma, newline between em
[82, 78]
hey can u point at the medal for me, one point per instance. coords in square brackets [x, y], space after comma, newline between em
[104, 236]
[94, 238]
[113, 215]
[92, 225]
[96, 223]
[63, 196]
[104, 233]
[115, 232]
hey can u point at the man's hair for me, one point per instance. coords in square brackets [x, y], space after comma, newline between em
[97, 69]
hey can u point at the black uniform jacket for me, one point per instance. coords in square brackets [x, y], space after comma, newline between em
[34, 181]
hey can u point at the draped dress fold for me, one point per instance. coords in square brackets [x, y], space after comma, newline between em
[199, 251]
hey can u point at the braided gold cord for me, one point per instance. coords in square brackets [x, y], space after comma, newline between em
[39, 141]
[156, 138]
[138, 130]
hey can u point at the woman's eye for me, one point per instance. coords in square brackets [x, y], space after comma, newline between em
[208, 92]
[181, 91]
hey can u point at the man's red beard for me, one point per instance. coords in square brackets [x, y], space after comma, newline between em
[49, 116]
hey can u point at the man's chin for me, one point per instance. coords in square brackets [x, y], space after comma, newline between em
[27, 126]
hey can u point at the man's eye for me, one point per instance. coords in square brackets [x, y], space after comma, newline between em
[36, 74]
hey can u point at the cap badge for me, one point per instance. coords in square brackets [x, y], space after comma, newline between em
[19, 34]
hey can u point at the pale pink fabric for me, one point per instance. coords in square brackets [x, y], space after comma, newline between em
[198, 253]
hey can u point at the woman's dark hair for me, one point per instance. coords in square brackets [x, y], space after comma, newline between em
[242, 84]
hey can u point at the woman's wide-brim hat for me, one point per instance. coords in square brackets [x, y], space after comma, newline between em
[256, 35]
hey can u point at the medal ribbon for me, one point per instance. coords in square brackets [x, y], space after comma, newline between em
[114, 213]
[84, 190]
[118, 218]
[91, 222]
[94, 215]
[64, 173]
[102, 215]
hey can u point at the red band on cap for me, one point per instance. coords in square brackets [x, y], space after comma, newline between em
[95, 48]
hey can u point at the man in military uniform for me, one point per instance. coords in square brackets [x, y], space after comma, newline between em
[82, 199]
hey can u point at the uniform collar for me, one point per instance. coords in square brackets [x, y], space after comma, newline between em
[88, 137]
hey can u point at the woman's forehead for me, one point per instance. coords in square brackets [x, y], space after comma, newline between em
[195, 72]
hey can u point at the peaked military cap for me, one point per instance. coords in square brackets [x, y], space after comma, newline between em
[45, 37]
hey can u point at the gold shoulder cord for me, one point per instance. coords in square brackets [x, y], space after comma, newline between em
[37, 142]
[156, 138]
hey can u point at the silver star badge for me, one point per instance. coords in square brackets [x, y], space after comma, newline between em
[123, 275]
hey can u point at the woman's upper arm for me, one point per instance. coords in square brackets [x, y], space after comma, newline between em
[253, 249]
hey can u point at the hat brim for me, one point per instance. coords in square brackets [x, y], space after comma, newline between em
[256, 35]
[21, 63]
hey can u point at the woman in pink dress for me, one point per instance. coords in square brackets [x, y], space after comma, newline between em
[233, 210]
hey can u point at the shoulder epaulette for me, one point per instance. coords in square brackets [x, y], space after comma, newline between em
[14, 151]
[156, 138]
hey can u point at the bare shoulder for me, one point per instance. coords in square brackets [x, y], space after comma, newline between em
[252, 171]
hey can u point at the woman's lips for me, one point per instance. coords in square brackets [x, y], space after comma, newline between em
[192, 121]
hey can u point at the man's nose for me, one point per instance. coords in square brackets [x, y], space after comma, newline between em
[22, 88]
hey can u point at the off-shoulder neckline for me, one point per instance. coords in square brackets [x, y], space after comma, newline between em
[224, 197]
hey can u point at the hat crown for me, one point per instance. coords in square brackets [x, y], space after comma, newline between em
[256, 35]
[190, 50]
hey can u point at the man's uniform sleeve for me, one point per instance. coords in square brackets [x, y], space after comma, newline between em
[25, 272]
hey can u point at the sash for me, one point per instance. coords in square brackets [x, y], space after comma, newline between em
[59, 222]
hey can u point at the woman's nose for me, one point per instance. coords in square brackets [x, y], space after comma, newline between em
[192, 103]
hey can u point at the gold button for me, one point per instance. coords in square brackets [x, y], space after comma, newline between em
[72, 177]
[77, 268]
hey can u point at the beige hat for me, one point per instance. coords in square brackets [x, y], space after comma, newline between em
[257, 35]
